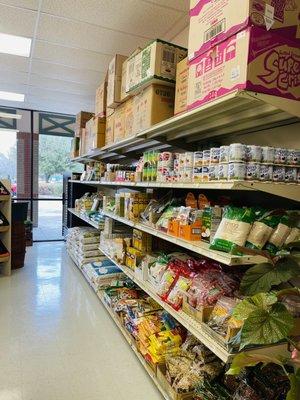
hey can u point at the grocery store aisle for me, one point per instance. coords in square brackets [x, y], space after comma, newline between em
[57, 342]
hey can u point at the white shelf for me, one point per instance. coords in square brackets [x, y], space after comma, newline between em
[126, 335]
[200, 247]
[83, 218]
[5, 231]
[289, 191]
[200, 330]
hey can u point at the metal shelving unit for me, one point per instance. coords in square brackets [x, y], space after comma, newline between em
[83, 218]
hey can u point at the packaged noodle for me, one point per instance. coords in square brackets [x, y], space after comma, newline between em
[233, 229]
[261, 230]
[280, 235]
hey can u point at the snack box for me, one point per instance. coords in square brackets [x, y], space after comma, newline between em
[141, 240]
[213, 21]
[181, 87]
[173, 395]
[190, 232]
[252, 59]
[114, 81]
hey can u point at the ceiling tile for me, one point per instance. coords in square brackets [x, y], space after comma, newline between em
[12, 77]
[13, 63]
[29, 4]
[182, 5]
[62, 86]
[132, 16]
[53, 95]
[177, 28]
[77, 58]
[66, 73]
[90, 37]
[16, 21]
[36, 103]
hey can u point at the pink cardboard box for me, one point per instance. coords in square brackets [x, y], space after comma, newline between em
[252, 59]
[213, 21]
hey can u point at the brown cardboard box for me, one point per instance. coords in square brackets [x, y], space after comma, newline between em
[156, 63]
[124, 95]
[95, 133]
[82, 144]
[253, 59]
[109, 132]
[152, 105]
[181, 88]
[114, 81]
[213, 21]
[119, 123]
[82, 117]
[75, 143]
[129, 117]
[100, 100]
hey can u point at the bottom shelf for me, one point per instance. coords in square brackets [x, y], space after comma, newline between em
[126, 335]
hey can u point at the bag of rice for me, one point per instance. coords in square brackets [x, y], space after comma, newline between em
[262, 229]
[233, 229]
[279, 236]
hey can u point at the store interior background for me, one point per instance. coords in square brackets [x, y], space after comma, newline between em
[60, 79]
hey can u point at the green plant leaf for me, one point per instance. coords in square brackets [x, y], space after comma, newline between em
[266, 326]
[262, 277]
[294, 392]
[243, 360]
[259, 301]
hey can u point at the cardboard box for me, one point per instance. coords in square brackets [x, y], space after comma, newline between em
[75, 143]
[100, 100]
[109, 131]
[82, 143]
[82, 117]
[114, 81]
[95, 133]
[173, 395]
[124, 95]
[152, 105]
[133, 70]
[212, 21]
[181, 87]
[119, 123]
[252, 59]
[129, 117]
[201, 315]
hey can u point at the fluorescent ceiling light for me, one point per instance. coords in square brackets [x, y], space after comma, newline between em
[10, 115]
[16, 45]
[12, 96]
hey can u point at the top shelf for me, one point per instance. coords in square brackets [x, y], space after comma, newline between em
[237, 112]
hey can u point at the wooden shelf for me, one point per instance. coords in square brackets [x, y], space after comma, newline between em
[5, 207]
[4, 228]
[83, 218]
[289, 191]
[5, 198]
[125, 333]
[4, 259]
[200, 330]
[200, 247]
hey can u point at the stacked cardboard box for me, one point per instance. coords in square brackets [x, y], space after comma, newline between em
[95, 133]
[81, 119]
[254, 47]
[114, 81]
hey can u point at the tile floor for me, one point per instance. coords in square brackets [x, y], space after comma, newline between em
[57, 342]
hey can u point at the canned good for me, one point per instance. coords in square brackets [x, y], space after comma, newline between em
[198, 158]
[278, 173]
[253, 153]
[223, 172]
[290, 174]
[252, 171]
[213, 172]
[224, 154]
[237, 152]
[293, 157]
[236, 171]
[280, 155]
[206, 157]
[267, 155]
[265, 172]
[205, 173]
[214, 155]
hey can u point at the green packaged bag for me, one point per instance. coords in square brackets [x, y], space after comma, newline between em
[279, 236]
[233, 229]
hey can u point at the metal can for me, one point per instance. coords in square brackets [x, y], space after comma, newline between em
[252, 171]
[213, 172]
[267, 155]
[278, 173]
[253, 153]
[206, 157]
[265, 172]
[237, 152]
[236, 171]
[280, 155]
[293, 157]
[223, 172]
[214, 155]
[290, 174]
[224, 154]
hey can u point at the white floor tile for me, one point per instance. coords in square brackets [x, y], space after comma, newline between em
[59, 341]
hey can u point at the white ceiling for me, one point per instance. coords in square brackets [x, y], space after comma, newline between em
[73, 42]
